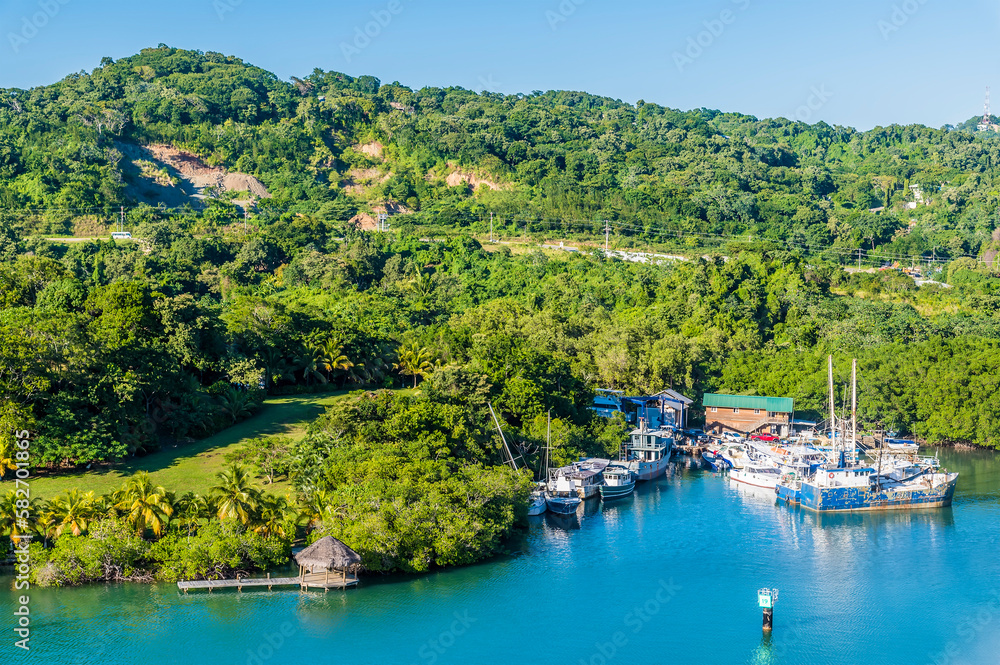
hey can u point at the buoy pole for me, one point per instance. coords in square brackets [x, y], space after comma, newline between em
[766, 599]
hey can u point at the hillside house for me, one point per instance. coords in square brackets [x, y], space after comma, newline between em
[748, 414]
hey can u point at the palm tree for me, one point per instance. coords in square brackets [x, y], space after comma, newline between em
[422, 284]
[9, 521]
[329, 358]
[308, 362]
[7, 450]
[312, 509]
[72, 512]
[235, 495]
[414, 361]
[273, 516]
[276, 367]
[145, 505]
[235, 404]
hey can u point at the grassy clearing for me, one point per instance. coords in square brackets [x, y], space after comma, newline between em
[192, 468]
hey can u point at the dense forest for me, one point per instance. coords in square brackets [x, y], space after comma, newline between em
[112, 349]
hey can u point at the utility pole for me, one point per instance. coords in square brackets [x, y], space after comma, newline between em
[607, 235]
[121, 223]
[859, 258]
[382, 223]
[491, 228]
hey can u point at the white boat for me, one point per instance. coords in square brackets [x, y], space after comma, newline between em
[757, 475]
[584, 477]
[902, 445]
[536, 502]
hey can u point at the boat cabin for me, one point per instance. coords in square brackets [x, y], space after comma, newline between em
[648, 445]
[844, 477]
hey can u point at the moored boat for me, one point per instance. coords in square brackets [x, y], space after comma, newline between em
[757, 475]
[562, 505]
[651, 450]
[536, 502]
[619, 482]
[716, 460]
[584, 477]
[863, 488]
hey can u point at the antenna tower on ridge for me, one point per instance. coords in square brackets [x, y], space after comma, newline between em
[986, 124]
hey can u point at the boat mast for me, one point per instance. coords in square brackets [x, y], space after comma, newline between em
[496, 421]
[833, 414]
[548, 442]
[854, 407]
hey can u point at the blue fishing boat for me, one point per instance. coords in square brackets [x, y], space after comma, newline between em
[619, 482]
[863, 488]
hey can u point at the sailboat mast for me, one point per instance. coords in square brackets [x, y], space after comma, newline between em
[496, 421]
[833, 408]
[854, 407]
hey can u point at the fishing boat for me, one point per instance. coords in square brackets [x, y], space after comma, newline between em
[757, 475]
[843, 485]
[651, 450]
[619, 482]
[864, 488]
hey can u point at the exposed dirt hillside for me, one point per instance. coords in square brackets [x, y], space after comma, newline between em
[160, 173]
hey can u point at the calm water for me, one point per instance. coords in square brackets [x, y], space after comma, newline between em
[669, 576]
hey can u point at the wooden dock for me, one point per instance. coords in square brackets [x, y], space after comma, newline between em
[323, 581]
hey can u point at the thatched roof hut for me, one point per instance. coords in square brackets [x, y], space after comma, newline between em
[326, 554]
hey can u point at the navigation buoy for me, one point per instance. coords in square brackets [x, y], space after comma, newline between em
[766, 598]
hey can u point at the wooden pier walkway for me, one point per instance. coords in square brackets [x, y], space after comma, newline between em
[310, 580]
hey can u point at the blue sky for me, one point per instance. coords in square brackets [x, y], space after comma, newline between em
[847, 62]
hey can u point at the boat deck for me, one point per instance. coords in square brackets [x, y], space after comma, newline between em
[307, 581]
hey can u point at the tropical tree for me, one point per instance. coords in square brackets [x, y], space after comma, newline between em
[10, 524]
[145, 505]
[72, 512]
[329, 358]
[414, 361]
[274, 517]
[309, 362]
[235, 496]
[236, 404]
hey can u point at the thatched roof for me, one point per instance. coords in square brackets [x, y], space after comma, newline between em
[327, 553]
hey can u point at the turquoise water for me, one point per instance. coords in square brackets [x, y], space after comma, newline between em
[669, 576]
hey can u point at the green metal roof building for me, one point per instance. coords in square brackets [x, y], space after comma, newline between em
[772, 404]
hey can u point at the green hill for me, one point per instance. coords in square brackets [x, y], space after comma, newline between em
[333, 146]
